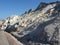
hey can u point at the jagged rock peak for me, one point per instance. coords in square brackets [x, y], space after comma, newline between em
[44, 4]
[47, 10]
[36, 25]
[41, 5]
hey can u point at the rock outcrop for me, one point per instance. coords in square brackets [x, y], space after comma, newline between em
[35, 27]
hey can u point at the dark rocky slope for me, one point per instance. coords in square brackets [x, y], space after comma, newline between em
[36, 27]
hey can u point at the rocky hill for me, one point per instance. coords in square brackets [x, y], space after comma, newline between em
[40, 26]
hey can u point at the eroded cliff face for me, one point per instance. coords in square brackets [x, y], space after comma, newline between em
[36, 27]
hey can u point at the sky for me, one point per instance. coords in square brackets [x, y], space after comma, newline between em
[18, 7]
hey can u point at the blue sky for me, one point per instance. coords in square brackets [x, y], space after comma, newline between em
[17, 7]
